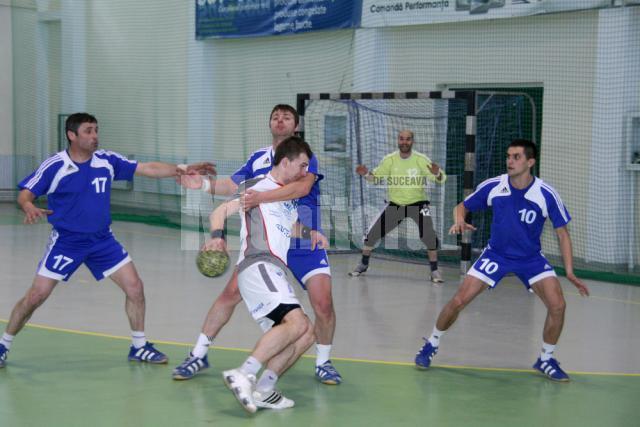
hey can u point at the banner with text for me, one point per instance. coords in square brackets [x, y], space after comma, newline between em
[383, 13]
[251, 18]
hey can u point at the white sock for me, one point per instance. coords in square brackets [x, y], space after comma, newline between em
[323, 353]
[138, 339]
[434, 339]
[547, 351]
[202, 346]
[250, 366]
[6, 340]
[267, 381]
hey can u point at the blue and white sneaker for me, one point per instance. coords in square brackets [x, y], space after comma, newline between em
[551, 369]
[327, 374]
[190, 367]
[147, 353]
[3, 355]
[425, 355]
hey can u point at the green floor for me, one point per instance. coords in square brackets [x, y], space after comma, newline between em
[59, 378]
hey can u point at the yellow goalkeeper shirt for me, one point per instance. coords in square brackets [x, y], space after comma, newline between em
[406, 179]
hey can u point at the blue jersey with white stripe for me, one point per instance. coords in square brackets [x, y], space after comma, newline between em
[261, 162]
[518, 215]
[79, 193]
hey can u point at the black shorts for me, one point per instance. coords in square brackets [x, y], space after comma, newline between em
[278, 313]
[393, 214]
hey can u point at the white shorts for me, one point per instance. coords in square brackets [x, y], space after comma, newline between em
[264, 287]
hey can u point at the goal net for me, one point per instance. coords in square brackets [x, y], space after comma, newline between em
[346, 130]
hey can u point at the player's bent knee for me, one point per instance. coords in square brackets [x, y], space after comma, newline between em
[299, 323]
[35, 298]
[458, 302]
[431, 244]
[558, 307]
[319, 290]
[135, 291]
[323, 308]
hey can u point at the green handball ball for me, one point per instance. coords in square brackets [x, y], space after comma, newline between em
[212, 263]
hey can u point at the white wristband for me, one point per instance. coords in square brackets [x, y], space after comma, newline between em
[182, 166]
[206, 184]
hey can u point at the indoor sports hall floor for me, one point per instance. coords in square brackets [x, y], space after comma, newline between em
[69, 367]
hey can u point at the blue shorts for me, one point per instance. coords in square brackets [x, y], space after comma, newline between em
[305, 263]
[66, 251]
[491, 267]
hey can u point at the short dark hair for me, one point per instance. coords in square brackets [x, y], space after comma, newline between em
[75, 120]
[291, 148]
[288, 108]
[530, 149]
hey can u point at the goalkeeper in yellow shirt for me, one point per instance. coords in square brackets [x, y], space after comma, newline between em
[404, 172]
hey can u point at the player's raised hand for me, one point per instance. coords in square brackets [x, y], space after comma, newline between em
[190, 182]
[215, 244]
[249, 199]
[434, 168]
[32, 214]
[201, 168]
[579, 284]
[362, 170]
[318, 240]
[460, 227]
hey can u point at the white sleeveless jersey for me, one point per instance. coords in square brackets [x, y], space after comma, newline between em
[265, 234]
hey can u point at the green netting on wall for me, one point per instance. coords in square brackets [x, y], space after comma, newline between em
[160, 94]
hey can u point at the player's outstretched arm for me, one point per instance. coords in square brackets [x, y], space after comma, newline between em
[364, 172]
[566, 249]
[199, 168]
[166, 170]
[294, 190]
[31, 212]
[459, 225]
[220, 214]
[216, 222]
[438, 173]
[157, 170]
[223, 187]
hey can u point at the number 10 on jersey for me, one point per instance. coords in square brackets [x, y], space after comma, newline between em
[527, 216]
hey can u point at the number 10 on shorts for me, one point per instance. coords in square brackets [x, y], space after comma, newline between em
[488, 266]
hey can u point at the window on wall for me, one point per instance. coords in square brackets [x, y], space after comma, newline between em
[335, 134]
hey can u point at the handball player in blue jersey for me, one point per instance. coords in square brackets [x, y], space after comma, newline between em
[310, 267]
[521, 203]
[77, 183]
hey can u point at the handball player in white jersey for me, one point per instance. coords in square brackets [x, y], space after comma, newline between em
[309, 266]
[265, 236]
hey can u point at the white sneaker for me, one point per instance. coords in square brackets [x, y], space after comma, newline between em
[272, 400]
[242, 387]
[436, 277]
